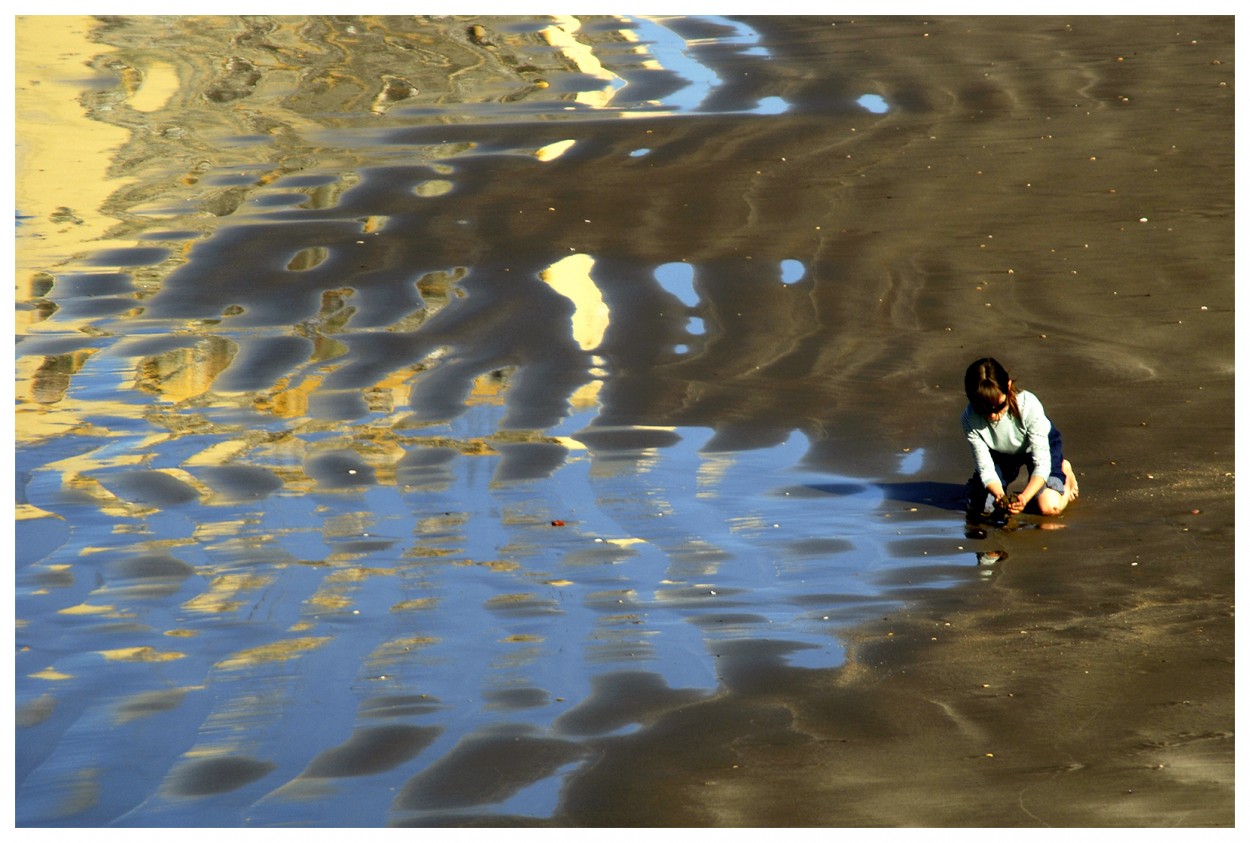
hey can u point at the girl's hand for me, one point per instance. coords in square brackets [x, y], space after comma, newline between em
[1010, 503]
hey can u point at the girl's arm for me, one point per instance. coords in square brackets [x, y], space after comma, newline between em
[1037, 440]
[980, 454]
[1035, 485]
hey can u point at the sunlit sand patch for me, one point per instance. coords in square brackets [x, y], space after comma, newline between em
[507, 600]
[140, 654]
[33, 306]
[219, 453]
[64, 156]
[425, 552]
[181, 374]
[290, 402]
[586, 397]
[641, 49]
[329, 601]
[306, 789]
[58, 568]
[552, 151]
[357, 575]
[449, 523]
[140, 492]
[338, 586]
[279, 651]
[51, 674]
[433, 187]
[393, 89]
[343, 557]
[46, 407]
[92, 609]
[561, 35]
[159, 83]
[347, 524]
[571, 278]
[50, 376]
[415, 605]
[625, 542]
[75, 479]
[143, 546]
[225, 592]
[488, 390]
[309, 258]
[398, 648]
[245, 552]
[503, 565]
[585, 60]
[392, 391]
[619, 597]
[27, 512]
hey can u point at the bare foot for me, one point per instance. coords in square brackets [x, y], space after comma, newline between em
[1072, 489]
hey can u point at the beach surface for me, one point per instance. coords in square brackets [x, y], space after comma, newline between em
[551, 421]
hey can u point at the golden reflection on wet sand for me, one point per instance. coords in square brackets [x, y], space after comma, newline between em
[65, 159]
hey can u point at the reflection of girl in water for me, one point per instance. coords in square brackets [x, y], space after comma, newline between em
[1007, 430]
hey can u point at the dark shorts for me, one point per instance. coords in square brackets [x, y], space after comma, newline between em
[1008, 467]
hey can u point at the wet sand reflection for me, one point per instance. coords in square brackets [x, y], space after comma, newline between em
[433, 411]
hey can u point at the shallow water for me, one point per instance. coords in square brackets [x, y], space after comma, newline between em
[441, 402]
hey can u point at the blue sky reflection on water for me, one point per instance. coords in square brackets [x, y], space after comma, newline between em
[662, 553]
[792, 271]
[677, 278]
[874, 103]
[680, 56]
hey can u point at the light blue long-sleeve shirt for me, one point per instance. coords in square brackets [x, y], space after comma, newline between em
[1009, 435]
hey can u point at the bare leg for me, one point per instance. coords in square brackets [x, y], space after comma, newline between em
[1051, 502]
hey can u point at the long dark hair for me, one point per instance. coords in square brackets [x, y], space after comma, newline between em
[984, 381]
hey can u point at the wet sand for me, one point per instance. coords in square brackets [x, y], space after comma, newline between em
[296, 448]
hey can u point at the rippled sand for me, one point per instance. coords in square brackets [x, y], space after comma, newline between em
[553, 421]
